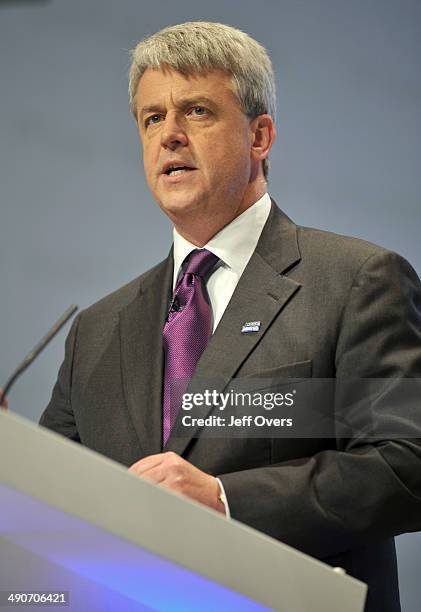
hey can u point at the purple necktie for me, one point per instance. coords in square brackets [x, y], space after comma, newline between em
[186, 333]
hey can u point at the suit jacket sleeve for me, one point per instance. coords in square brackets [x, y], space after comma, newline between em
[58, 415]
[365, 489]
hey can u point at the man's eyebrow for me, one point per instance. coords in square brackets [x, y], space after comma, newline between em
[182, 103]
[153, 108]
[196, 100]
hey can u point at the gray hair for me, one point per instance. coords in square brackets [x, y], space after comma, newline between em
[197, 47]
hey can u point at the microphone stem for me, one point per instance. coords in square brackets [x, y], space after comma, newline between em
[37, 349]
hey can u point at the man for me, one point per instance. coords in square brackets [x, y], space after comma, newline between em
[328, 306]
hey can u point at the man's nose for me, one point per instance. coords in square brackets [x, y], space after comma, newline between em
[173, 133]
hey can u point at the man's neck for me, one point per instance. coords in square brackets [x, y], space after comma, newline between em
[199, 230]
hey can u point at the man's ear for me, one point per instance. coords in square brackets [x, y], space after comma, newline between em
[263, 135]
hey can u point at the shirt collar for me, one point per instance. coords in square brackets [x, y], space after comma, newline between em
[234, 244]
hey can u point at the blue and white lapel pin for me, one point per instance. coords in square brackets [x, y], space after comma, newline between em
[251, 326]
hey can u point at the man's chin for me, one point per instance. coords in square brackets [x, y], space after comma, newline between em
[179, 207]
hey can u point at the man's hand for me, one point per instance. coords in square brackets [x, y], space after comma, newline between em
[5, 404]
[171, 471]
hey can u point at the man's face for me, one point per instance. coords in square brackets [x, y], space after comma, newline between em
[194, 122]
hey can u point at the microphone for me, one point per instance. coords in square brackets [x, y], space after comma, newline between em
[37, 349]
[174, 306]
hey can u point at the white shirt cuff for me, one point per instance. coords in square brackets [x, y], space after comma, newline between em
[223, 498]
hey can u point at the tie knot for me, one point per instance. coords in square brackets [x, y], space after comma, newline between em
[200, 262]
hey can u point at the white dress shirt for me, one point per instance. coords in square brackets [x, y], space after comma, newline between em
[234, 245]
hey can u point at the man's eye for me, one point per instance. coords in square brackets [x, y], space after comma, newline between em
[199, 110]
[152, 119]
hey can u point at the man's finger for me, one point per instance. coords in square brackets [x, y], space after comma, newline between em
[147, 463]
[155, 475]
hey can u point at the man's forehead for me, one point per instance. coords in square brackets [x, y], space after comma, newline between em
[154, 81]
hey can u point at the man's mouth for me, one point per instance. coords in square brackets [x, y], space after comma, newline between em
[175, 170]
[176, 167]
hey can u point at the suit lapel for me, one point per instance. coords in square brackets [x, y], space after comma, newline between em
[260, 295]
[141, 324]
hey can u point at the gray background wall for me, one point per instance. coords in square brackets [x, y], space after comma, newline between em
[77, 220]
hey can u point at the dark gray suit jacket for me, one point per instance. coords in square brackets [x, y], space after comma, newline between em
[329, 306]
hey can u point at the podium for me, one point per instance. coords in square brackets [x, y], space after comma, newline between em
[74, 521]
